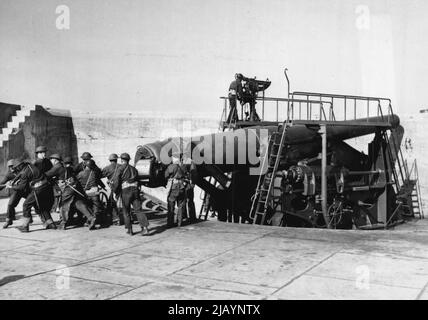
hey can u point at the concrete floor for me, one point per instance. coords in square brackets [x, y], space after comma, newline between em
[212, 260]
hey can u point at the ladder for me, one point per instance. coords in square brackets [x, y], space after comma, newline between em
[205, 207]
[396, 174]
[263, 194]
[416, 193]
[408, 185]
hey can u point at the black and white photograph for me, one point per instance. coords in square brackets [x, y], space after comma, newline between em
[213, 154]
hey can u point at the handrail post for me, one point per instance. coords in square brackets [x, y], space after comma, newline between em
[288, 87]
[345, 109]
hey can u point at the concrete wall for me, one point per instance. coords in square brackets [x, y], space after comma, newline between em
[52, 128]
[7, 111]
[102, 135]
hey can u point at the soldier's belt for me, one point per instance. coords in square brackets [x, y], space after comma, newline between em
[128, 184]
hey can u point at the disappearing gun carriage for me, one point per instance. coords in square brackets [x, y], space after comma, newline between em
[296, 166]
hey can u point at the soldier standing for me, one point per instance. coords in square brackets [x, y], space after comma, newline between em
[72, 194]
[40, 194]
[235, 93]
[190, 179]
[90, 179]
[14, 196]
[125, 185]
[175, 174]
[109, 172]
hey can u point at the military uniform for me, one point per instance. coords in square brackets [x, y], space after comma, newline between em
[86, 156]
[42, 164]
[14, 198]
[125, 185]
[109, 172]
[90, 179]
[235, 92]
[33, 182]
[72, 194]
[190, 178]
[176, 174]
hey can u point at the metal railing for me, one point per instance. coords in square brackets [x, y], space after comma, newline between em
[313, 107]
[350, 107]
[278, 109]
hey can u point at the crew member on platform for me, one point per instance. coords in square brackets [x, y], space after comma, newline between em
[72, 194]
[40, 194]
[125, 185]
[14, 196]
[109, 172]
[235, 93]
[175, 174]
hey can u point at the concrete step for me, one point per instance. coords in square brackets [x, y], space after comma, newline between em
[15, 122]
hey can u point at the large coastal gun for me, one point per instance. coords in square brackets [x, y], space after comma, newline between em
[300, 171]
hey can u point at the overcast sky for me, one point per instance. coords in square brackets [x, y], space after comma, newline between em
[143, 55]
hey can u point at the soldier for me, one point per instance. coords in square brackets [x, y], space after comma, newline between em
[40, 194]
[190, 179]
[42, 163]
[90, 179]
[72, 194]
[175, 174]
[235, 92]
[14, 196]
[109, 172]
[86, 156]
[125, 185]
[68, 164]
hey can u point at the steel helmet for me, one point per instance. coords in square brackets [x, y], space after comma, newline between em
[68, 160]
[125, 156]
[41, 149]
[113, 157]
[56, 156]
[86, 156]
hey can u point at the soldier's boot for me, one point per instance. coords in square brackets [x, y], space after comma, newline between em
[8, 223]
[51, 225]
[25, 227]
[129, 230]
[91, 223]
[144, 223]
[145, 231]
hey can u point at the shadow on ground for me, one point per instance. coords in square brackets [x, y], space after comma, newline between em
[10, 279]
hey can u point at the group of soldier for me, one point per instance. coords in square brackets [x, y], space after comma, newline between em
[54, 182]
[75, 189]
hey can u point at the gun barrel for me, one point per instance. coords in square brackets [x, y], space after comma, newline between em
[244, 146]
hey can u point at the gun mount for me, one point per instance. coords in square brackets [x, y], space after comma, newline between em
[297, 169]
